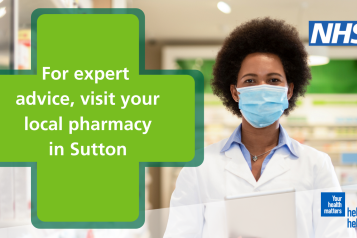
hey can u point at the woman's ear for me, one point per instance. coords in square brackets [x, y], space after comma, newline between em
[234, 92]
[290, 90]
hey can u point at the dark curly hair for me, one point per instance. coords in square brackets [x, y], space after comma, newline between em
[264, 35]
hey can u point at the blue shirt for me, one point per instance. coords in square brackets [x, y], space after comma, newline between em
[284, 140]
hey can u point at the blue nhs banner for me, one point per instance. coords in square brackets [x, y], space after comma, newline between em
[333, 33]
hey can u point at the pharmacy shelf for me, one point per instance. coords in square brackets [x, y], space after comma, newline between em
[332, 139]
[318, 125]
[349, 188]
[13, 223]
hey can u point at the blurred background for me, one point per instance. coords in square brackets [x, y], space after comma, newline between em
[187, 34]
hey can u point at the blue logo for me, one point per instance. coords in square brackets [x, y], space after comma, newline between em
[333, 33]
[333, 204]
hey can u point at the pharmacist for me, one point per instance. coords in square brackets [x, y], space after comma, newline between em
[260, 72]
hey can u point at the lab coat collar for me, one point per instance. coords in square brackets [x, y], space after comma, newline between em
[237, 165]
[279, 164]
[284, 138]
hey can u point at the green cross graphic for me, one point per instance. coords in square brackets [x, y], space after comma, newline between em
[105, 186]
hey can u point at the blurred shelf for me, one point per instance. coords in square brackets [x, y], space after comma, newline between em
[288, 126]
[5, 224]
[349, 188]
[320, 125]
[332, 139]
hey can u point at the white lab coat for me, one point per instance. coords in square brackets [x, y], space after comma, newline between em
[197, 207]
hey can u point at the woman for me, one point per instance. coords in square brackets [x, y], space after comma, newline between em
[260, 72]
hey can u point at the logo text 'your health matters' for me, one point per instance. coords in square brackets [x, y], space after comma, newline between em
[342, 33]
[333, 204]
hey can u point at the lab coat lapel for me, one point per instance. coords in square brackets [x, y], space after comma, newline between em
[279, 164]
[237, 165]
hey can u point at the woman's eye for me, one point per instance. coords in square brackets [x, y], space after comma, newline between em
[275, 80]
[249, 81]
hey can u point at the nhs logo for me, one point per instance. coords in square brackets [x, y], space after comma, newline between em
[333, 33]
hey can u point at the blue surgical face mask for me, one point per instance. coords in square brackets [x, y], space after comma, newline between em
[262, 105]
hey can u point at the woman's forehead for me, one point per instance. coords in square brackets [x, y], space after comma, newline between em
[261, 63]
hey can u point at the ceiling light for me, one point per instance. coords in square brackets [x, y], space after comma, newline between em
[318, 55]
[224, 7]
[2, 11]
[318, 60]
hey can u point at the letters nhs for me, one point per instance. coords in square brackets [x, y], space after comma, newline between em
[333, 33]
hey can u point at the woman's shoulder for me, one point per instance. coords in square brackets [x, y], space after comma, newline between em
[214, 159]
[308, 153]
[215, 148]
[319, 165]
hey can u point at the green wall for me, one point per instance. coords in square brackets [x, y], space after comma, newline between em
[205, 66]
[338, 76]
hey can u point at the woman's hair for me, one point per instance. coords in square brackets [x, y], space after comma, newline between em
[264, 35]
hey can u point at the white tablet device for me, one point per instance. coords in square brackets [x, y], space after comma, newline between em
[269, 214]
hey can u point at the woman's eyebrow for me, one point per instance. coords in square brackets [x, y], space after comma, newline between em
[254, 75]
[275, 74]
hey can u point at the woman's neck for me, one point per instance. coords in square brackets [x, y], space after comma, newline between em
[259, 140]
